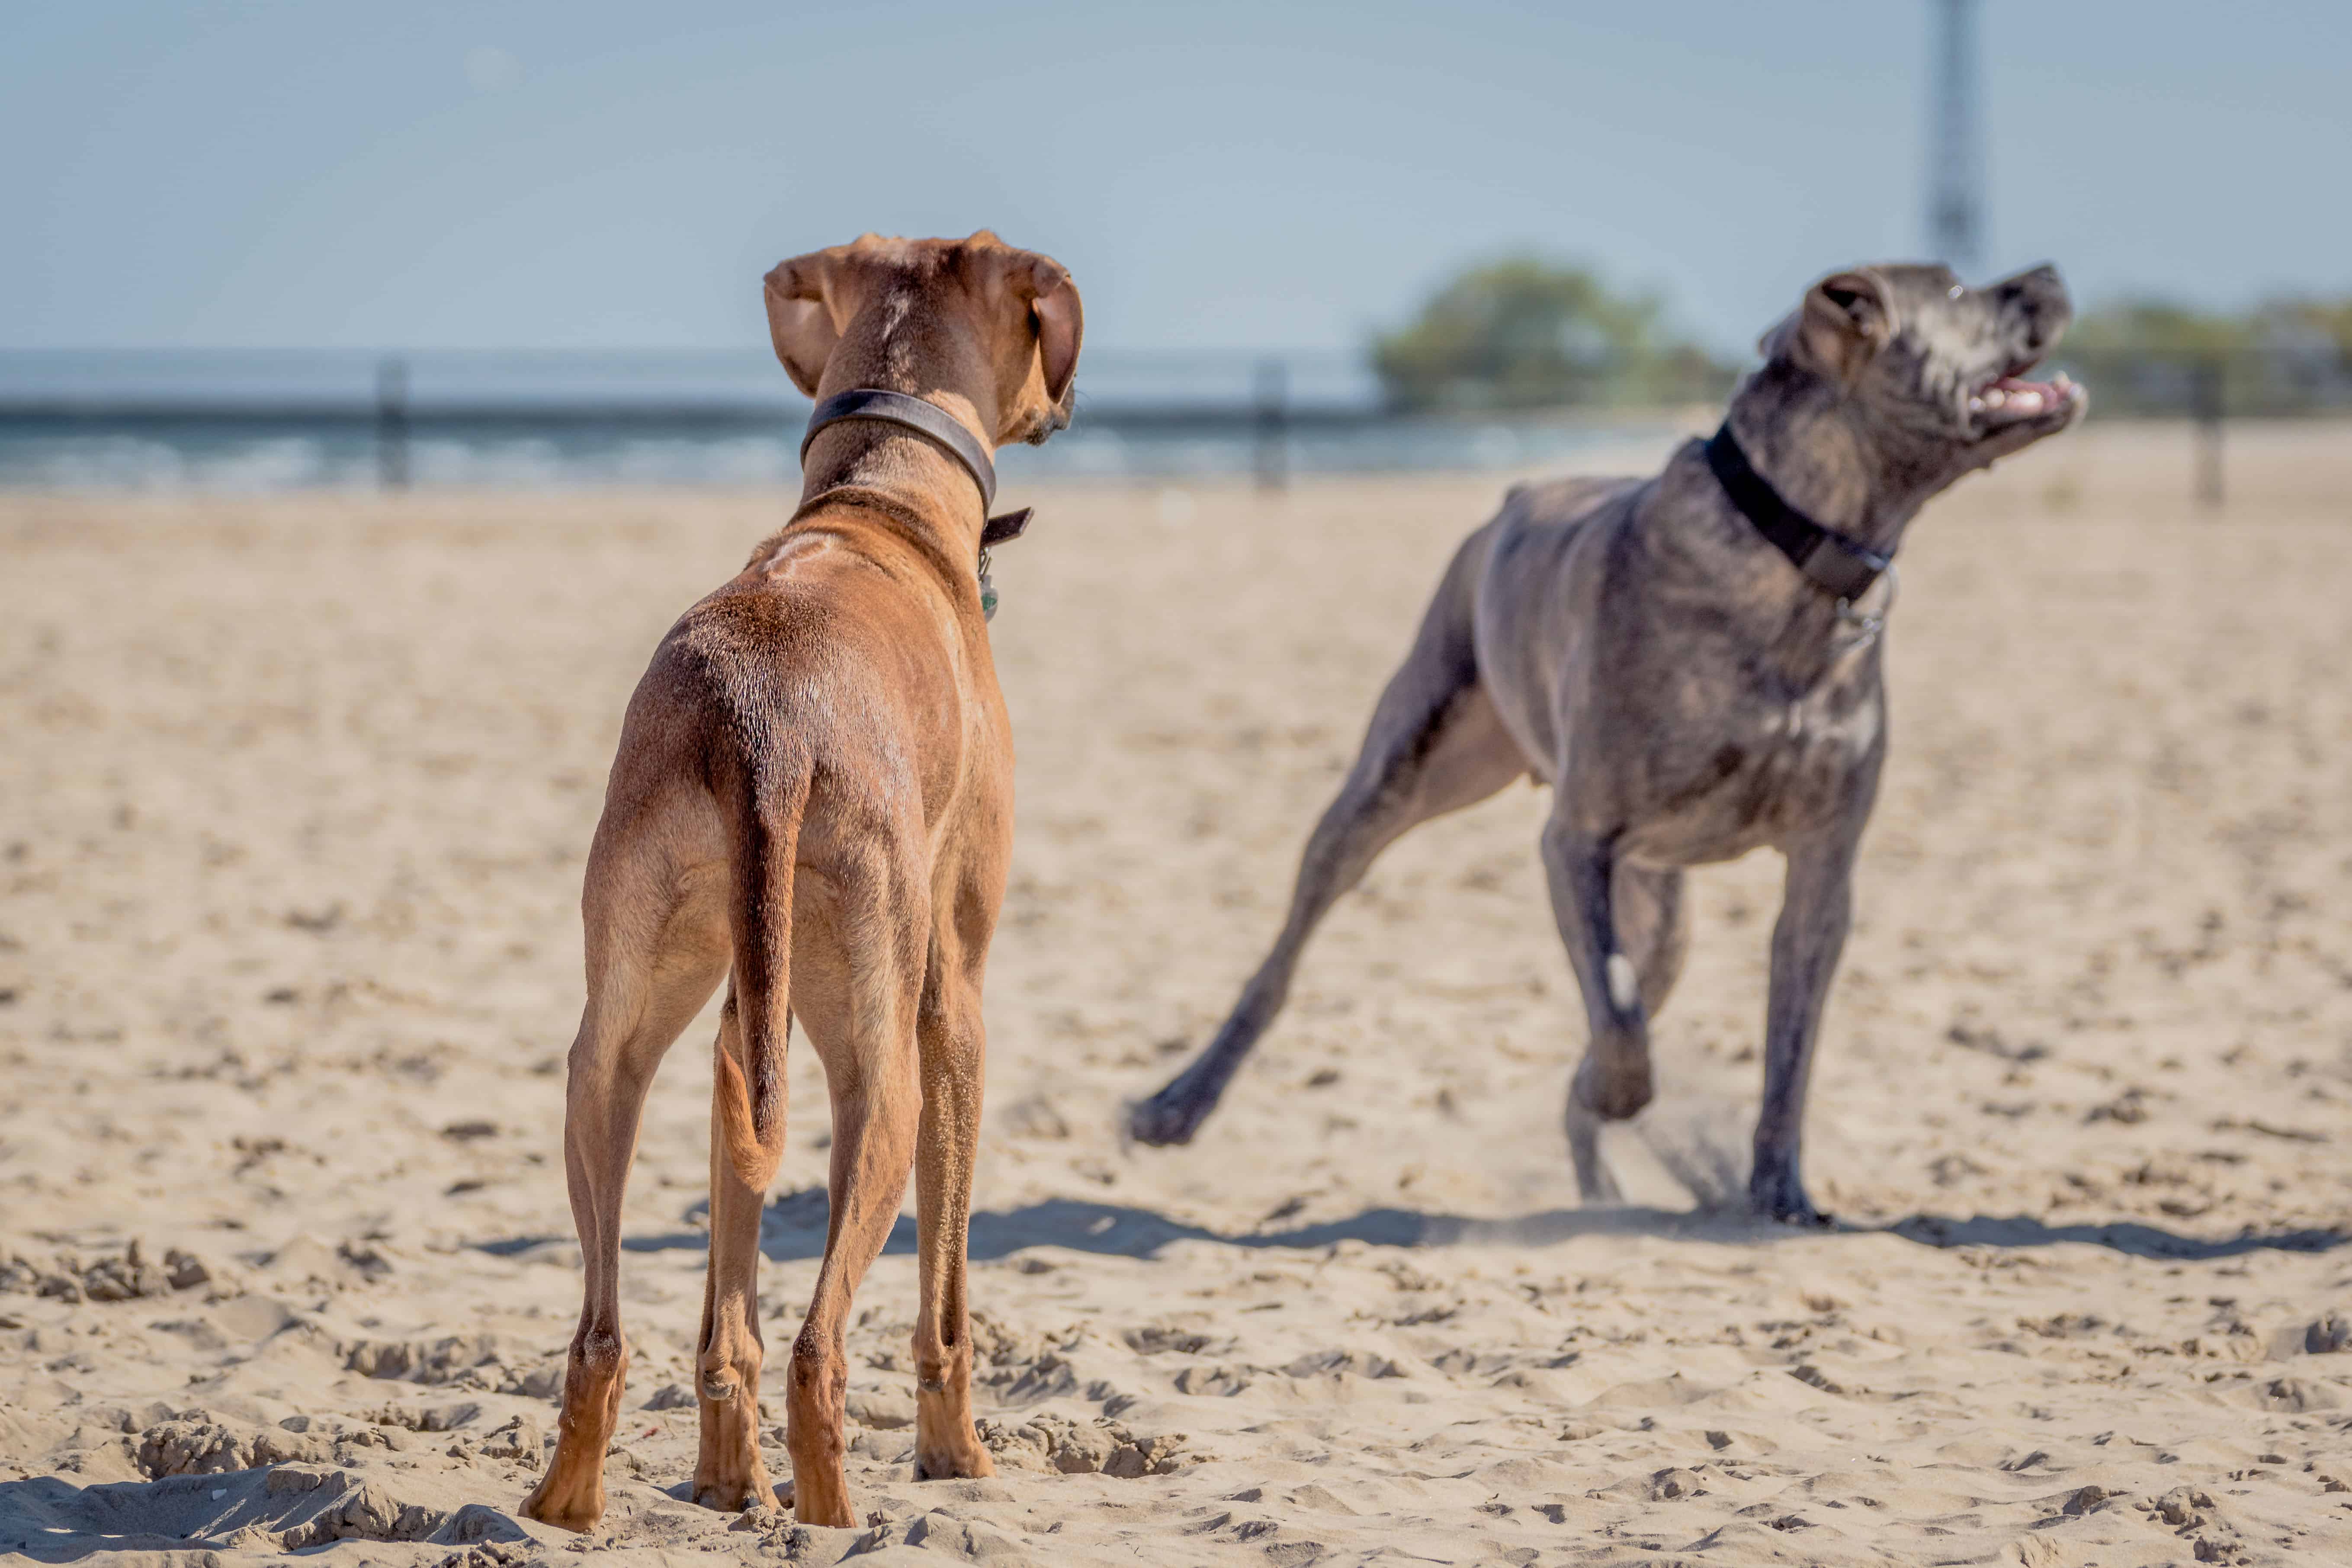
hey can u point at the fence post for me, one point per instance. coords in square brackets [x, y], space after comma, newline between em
[1272, 419]
[2207, 386]
[392, 422]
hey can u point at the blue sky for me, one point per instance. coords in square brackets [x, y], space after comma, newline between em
[330, 173]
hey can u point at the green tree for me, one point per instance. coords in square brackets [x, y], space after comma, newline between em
[2308, 322]
[1525, 333]
[2157, 327]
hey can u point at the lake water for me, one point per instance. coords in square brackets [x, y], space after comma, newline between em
[273, 420]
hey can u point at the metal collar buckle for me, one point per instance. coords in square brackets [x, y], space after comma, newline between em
[1867, 625]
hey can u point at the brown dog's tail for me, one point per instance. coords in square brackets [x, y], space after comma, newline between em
[764, 806]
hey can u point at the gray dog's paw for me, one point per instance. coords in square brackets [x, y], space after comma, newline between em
[1613, 1094]
[1778, 1193]
[1167, 1118]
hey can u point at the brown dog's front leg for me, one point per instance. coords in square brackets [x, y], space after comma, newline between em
[1816, 906]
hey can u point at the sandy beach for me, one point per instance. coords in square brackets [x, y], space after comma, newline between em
[294, 798]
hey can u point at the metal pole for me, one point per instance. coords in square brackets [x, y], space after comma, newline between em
[1956, 158]
[392, 422]
[2209, 386]
[1273, 424]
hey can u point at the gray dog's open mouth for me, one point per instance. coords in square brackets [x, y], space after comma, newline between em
[2007, 399]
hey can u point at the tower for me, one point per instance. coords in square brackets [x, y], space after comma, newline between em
[1955, 155]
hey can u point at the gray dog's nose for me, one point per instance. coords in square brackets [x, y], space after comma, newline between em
[2039, 297]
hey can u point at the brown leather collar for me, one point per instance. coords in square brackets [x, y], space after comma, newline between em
[925, 418]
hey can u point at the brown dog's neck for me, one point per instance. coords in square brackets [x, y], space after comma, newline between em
[930, 493]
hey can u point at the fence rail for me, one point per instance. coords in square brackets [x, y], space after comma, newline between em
[1263, 408]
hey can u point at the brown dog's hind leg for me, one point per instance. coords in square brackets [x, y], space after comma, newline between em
[729, 1473]
[646, 981]
[954, 1047]
[763, 803]
[858, 1006]
[874, 1133]
[1435, 744]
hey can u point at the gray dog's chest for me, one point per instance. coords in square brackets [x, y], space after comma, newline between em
[1657, 710]
[1763, 767]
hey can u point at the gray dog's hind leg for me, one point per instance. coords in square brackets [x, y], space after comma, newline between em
[1653, 925]
[1815, 910]
[1435, 744]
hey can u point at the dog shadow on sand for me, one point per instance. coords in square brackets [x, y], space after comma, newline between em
[1688, 1181]
[795, 1231]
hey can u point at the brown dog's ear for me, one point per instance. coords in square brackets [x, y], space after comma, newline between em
[800, 319]
[1844, 320]
[1061, 323]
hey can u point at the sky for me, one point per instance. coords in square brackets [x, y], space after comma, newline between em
[601, 173]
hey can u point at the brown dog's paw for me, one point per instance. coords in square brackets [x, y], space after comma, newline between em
[733, 1494]
[566, 1504]
[826, 1505]
[967, 1460]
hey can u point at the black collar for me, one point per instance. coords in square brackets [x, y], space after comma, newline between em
[929, 419]
[1831, 562]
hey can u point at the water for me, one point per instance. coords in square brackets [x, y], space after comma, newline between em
[247, 421]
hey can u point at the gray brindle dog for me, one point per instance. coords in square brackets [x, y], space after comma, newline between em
[1692, 662]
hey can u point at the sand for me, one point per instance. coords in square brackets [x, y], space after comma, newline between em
[294, 794]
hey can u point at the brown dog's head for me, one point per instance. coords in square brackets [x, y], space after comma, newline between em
[1930, 370]
[959, 320]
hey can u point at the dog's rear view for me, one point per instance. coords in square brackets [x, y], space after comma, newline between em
[812, 799]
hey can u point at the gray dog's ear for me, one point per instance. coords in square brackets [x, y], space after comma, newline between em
[1061, 324]
[1844, 320]
[800, 318]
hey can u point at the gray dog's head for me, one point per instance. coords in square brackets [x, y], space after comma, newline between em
[1929, 373]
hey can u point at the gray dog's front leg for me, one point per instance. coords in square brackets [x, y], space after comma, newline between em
[1815, 910]
[1613, 1082]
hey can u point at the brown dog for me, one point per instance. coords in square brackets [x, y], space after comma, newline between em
[814, 785]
